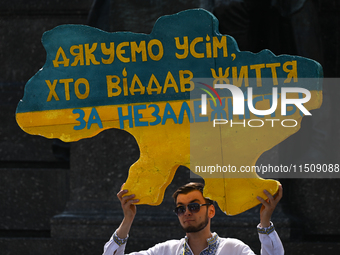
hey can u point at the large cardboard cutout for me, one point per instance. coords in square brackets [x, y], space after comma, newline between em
[145, 84]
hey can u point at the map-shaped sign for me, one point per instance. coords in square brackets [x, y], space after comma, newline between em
[186, 93]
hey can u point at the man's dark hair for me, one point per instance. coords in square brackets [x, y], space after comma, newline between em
[189, 188]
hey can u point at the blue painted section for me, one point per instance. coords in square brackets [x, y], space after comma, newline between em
[190, 24]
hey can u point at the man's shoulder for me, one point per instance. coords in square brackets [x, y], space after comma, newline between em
[232, 243]
[170, 245]
[173, 241]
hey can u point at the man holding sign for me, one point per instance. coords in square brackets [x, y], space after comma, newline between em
[194, 214]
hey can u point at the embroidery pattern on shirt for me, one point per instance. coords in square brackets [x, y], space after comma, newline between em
[118, 240]
[213, 243]
[267, 230]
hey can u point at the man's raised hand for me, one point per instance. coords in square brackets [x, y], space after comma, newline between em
[268, 206]
[129, 210]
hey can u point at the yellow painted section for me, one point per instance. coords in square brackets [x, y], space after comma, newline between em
[164, 147]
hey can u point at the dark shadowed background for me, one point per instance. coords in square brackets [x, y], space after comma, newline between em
[58, 198]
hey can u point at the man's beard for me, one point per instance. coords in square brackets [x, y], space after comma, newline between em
[194, 229]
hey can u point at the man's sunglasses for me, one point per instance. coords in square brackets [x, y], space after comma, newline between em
[192, 207]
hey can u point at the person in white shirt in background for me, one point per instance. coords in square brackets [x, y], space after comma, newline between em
[195, 213]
